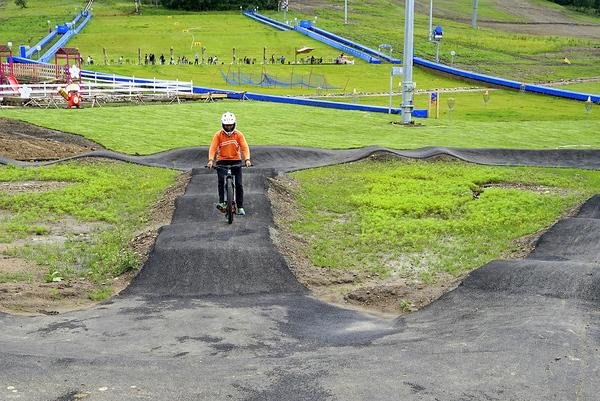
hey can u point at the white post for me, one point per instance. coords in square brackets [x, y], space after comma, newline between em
[345, 11]
[407, 62]
[391, 84]
[474, 17]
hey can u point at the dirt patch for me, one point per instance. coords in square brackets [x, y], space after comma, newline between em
[310, 6]
[538, 189]
[27, 142]
[531, 17]
[23, 286]
[17, 187]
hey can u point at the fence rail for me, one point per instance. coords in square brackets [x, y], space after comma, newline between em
[98, 92]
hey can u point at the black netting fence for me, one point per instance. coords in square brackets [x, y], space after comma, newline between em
[265, 79]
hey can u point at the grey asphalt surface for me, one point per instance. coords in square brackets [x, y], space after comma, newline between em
[215, 314]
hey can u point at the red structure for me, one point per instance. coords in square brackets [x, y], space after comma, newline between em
[69, 55]
[6, 65]
[71, 58]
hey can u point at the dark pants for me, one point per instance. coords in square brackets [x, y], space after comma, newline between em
[237, 173]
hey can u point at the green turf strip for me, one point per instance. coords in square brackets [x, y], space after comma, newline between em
[115, 197]
[416, 218]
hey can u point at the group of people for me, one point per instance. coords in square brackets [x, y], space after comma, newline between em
[311, 60]
[248, 60]
[343, 59]
[150, 59]
[281, 59]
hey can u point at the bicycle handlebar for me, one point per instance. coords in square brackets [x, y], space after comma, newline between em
[216, 166]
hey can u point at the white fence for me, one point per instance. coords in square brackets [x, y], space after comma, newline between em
[99, 91]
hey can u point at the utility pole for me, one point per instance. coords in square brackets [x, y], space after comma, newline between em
[407, 62]
[474, 17]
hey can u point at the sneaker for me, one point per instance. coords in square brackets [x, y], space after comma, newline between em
[222, 206]
[241, 211]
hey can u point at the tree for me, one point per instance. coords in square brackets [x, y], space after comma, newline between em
[21, 3]
[205, 5]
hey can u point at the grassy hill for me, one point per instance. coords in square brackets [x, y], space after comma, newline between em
[414, 221]
[531, 58]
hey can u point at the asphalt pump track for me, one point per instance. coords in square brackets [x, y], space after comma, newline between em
[215, 313]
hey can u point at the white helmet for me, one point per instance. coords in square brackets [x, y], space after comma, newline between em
[228, 122]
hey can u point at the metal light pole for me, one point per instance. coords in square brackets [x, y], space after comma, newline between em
[474, 17]
[345, 11]
[430, 20]
[407, 62]
[284, 6]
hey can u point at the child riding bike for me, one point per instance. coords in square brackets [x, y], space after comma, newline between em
[229, 146]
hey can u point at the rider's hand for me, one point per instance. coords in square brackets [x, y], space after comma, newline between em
[248, 163]
[209, 164]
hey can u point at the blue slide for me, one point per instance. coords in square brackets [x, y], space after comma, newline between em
[368, 54]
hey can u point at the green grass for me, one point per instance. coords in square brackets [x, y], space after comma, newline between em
[511, 120]
[118, 195]
[532, 58]
[29, 25]
[249, 38]
[15, 278]
[416, 219]
[101, 294]
[587, 87]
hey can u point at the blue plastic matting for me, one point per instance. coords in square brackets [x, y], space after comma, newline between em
[264, 21]
[507, 83]
[338, 45]
[355, 45]
[68, 34]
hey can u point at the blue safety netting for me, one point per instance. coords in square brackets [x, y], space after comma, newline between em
[267, 80]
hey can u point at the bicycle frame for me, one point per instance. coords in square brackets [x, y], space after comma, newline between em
[231, 208]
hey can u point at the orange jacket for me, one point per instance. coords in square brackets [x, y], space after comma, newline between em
[229, 147]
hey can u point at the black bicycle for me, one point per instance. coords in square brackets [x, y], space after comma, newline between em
[230, 204]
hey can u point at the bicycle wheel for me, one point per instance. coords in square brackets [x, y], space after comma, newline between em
[230, 201]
